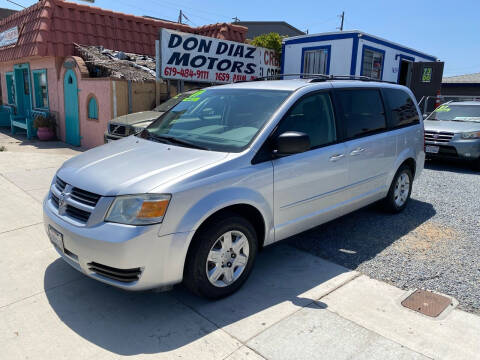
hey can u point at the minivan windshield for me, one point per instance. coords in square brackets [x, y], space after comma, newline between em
[224, 120]
[170, 103]
[456, 113]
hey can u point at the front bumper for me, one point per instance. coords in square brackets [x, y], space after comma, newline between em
[160, 259]
[456, 148]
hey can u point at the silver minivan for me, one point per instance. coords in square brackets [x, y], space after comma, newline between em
[227, 171]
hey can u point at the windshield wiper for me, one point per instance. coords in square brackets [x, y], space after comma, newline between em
[174, 140]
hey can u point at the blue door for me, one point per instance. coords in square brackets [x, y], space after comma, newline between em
[22, 90]
[70, 94]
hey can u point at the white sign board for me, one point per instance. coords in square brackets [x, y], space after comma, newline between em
[9, 36]
[198, 58]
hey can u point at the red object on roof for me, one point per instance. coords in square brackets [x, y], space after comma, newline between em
[51, 27]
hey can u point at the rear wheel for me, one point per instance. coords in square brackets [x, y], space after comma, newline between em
[221, 257]
[400, 190]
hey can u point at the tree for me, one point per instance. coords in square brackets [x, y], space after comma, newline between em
[270, 41]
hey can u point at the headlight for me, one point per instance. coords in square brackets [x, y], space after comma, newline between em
[471, 135]
[138, 209]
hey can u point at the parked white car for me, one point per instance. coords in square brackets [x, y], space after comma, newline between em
[227, 171]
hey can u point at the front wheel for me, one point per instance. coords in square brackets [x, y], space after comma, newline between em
[221, 257]
[400, 190]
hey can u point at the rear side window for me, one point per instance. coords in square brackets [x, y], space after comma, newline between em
[403, 109]
[363, 111]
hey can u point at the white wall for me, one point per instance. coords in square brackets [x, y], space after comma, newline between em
[390, 65]
[341, 56]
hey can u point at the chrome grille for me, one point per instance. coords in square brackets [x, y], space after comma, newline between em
[60, 184]
[438, 136]
[78, 214]
[85, 197]
[73, 202]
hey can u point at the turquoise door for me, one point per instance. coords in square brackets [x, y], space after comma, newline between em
[22, 89]
[70, 94]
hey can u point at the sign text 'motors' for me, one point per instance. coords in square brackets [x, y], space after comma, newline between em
[200, 58]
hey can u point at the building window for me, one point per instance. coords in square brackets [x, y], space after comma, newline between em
[92, 108]
[40, 88]
[372, 62]
[316, 60]
[10, 88]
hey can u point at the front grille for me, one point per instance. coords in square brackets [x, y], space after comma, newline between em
[60, 184]
[438, 136]
[122, 275]
[79, 203]
[55, 200]
[120, 130]
[85, 197]
[78, 214]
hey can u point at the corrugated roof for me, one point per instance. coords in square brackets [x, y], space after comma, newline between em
[51, 27]
[462, 79]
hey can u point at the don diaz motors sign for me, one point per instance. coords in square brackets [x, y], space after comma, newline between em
[204, 59]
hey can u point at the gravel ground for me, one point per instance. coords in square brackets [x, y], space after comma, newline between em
[434, 244]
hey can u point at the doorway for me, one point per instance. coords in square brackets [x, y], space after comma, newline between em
[23, 100]
[405, 72]
[70, 95]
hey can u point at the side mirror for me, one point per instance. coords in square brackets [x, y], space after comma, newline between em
[291, 142]
[425, 116]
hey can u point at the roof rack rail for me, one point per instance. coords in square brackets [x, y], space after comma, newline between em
[350, 77]
[318, 77]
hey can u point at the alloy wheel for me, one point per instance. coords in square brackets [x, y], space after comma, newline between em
[227, 258]
[402, 189]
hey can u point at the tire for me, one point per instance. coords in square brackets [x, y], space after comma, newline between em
[397, 199]
[208, 258]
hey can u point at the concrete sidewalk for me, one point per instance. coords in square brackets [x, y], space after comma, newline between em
[294, 306]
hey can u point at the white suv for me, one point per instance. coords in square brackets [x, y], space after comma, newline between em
[227, 171]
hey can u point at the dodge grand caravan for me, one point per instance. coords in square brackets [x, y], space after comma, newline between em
[227, 171]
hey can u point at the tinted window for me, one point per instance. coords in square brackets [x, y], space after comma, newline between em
[313, 115]
[403, 109]
[363, 111]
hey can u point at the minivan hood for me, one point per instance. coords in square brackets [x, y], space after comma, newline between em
[133, 166]
[135, 118]
[451, 126]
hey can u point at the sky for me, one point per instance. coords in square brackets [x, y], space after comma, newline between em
[448, 30]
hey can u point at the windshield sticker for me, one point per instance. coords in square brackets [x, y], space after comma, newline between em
[443, 108]
[194, 96]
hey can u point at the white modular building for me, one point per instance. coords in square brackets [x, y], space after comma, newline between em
[353, 53]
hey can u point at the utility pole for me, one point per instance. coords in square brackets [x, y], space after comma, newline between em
[342, 16]
[235, 19]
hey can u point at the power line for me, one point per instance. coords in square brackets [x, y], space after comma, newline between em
[13, 2]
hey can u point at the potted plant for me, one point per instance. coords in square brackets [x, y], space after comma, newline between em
[45, 126]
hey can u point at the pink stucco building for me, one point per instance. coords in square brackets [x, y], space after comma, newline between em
[40, 74]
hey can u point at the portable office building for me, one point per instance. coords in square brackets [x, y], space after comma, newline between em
[359, 54]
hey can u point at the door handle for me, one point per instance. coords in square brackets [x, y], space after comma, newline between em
[336, 157]
[357, 151]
